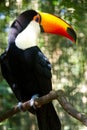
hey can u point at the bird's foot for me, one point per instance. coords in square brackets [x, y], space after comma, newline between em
[19, 106]
[33, 99]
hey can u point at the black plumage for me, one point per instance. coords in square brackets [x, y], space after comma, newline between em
[28, 72]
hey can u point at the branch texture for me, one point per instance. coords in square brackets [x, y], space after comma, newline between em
[59, 96]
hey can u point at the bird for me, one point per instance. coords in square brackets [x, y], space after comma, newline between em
[25, 67]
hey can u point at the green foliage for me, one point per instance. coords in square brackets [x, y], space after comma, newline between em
[68, 61]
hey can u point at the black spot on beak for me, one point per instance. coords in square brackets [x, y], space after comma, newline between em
[72, 33]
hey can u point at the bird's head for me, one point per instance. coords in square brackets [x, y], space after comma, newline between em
[30, 23]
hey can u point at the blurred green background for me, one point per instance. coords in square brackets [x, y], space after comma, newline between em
[69, 62]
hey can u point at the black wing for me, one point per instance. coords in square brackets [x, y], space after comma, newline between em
[43, 65]
[43, 73]
[7, 74]
[46, 114]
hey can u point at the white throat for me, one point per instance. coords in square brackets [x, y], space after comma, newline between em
[29, 36]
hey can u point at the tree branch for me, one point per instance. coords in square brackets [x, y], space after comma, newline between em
[58, 95]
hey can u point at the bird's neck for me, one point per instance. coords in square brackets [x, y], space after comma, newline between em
[28, 37]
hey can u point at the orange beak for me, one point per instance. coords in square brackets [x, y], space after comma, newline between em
[55, 25]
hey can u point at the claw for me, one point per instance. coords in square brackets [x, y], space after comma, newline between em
[33, 99]
[19, 106]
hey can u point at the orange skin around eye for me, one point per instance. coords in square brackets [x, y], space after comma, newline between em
[37, 18]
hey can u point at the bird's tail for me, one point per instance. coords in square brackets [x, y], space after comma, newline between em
[47, 118]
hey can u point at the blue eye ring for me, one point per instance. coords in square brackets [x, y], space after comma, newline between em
[37, 18]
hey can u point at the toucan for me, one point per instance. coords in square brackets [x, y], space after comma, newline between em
[24, 66]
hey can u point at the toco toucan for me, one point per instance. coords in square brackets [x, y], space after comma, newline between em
[25, 67]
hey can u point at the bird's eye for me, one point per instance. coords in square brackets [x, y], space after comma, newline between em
[37, 18]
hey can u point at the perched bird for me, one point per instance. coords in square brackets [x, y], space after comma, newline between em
[26, 68]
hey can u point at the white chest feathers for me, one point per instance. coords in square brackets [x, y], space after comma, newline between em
[29, 36]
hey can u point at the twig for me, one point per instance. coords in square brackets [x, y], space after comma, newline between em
[59, 95]
[69, 108]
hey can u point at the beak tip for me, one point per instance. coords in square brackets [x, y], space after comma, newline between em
[72, 33]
